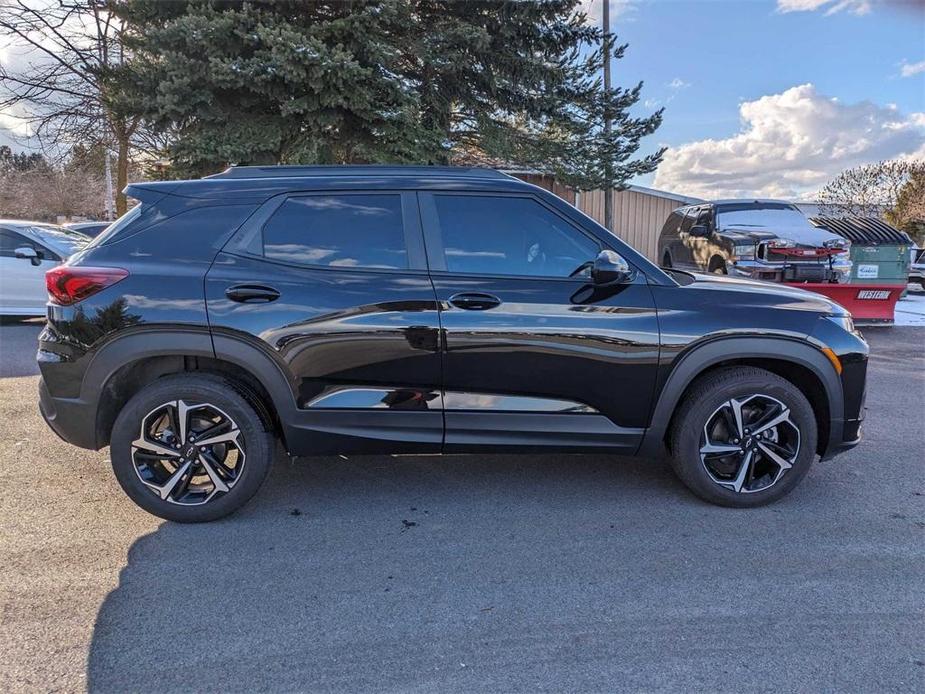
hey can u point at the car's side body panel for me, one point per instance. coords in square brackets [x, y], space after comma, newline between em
[366, 360]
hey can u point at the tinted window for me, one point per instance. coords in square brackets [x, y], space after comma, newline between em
[10, 241]
[509, 236]
[689, 218]
[674, 221]
[338, 231]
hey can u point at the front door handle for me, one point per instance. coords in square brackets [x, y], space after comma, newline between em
[474, 301]
[252, 294]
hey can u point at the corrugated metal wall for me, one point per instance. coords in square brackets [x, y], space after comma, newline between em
[637, 217]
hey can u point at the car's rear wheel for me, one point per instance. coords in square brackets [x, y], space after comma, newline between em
[666, 260]
[743, 437]
[190, 448]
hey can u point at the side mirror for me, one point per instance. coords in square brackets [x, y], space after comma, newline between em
[699, 230]
[28, 253]
[609, 269]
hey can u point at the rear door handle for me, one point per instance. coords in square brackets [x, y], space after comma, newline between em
[252, 294]
[474, 301]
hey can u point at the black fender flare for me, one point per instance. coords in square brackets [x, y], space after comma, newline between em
[158, 342]
[697, 359]
[140, 344]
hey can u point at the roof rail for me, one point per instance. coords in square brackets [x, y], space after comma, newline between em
[354, 170]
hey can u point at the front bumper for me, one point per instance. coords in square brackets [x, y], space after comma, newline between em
[846, 414]
[838, 271]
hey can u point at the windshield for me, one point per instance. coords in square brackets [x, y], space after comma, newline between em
[67, 240]
[778, 216]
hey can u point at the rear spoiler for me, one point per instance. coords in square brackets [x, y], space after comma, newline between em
[150, 191]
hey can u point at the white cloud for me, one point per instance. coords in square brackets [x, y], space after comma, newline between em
[858, 7]
[620, 10]
[790, 144]
[911, 69]
[678, 83]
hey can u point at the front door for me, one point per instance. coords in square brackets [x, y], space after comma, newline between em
[335, 287]
[22, 280]
[533, 354]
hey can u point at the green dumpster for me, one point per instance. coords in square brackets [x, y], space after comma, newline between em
[879, 252]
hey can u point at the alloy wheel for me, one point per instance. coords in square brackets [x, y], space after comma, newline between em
[749, 443]
[188, 453]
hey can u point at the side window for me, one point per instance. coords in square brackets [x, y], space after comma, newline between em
[363, 231]
[672, 224]
[705, 217]
[689, 218]
[509, 236]
[9, 242]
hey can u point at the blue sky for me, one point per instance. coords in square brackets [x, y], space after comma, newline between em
[762, 97]
[831, 83]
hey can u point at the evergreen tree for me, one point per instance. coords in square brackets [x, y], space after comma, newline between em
[381, 81]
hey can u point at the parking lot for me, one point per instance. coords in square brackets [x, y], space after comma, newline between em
[468, 573]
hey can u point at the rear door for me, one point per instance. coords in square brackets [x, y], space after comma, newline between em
[685, 255]
[534, 356]
[335, 287]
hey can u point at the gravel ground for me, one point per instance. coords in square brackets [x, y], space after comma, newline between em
[468, 573]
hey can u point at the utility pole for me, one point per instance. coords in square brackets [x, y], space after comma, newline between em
[608, 170]
[109, 212]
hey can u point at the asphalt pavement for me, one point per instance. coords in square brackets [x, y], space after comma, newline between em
[468, 573]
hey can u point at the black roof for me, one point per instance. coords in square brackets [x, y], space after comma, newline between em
[869, 231]
[354, 170]
[261, 182]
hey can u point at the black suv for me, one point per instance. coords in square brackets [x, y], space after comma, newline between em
[351, 310]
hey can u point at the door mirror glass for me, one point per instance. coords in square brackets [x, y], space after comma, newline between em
[700, 230]
[610, 268]
[26, 252]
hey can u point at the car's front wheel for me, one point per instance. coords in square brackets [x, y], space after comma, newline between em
[743, 437]
[190, 448]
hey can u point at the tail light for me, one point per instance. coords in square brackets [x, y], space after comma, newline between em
[68, 285]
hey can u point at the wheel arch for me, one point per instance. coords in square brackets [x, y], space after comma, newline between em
[125, 365]
[796, 361]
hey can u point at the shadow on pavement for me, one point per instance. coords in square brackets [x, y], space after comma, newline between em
[371, 573]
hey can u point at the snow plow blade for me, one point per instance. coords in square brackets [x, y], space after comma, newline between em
[869, 304]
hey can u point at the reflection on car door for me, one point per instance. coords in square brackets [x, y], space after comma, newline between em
[534, 356]
[335, 287]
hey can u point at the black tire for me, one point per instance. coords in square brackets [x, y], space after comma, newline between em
[257, 440]
[704, 400]
[666, 260]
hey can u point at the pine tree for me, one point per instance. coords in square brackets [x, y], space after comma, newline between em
[382, 81]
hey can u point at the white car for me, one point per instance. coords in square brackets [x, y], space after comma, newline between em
[27, 250]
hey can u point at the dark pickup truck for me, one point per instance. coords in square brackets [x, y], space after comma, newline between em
[759, 239]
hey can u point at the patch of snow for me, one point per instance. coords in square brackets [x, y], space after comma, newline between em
[911, 309]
